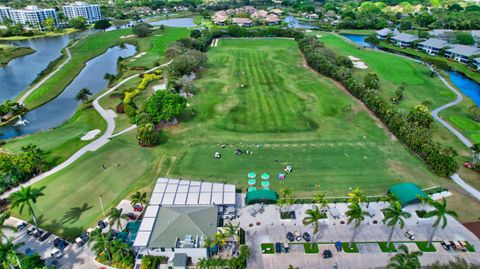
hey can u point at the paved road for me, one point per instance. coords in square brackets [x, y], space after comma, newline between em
[31, 90]
[107, 115]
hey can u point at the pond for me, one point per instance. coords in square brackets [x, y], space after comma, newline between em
[358, 39]
[60, 109]
[467, 86]
[293, 22]
[180, 22]
[17, 76]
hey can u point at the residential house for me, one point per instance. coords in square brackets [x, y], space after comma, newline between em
[476, 63]
[310, 16]
[277, 11]
[382, 34]
[403, 40]
[272, 19]
[81, 9]
[246, 22]
[259, 15]
[461, 53]
[432, 45]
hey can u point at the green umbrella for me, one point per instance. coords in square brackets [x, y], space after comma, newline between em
[252, 181]
[252, 189]
[252, 175]
[265, 184]
[265, 176]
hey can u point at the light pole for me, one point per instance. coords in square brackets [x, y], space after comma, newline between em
[101, 205]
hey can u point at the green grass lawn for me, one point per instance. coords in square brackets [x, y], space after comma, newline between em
[347, 249]
[385, 247]
[267, 248]
[9, 53]
[60, 143]
[311, 248]
[341, 148]
[423, 246]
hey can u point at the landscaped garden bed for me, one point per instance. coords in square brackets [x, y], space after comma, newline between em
[423, 246]
[267, 248]
[385, 247]
[347, 249]
[311, 248]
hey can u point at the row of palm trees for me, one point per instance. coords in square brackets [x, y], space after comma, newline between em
[394, 215]
[115, 252]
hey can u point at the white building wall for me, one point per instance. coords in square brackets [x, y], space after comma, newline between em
[90, 12]
[32, 15]
[4, 13]
[194, 253]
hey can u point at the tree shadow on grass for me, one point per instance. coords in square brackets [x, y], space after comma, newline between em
[74, 214]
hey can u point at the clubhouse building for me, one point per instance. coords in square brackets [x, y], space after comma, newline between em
[433, 45]
[180, 216]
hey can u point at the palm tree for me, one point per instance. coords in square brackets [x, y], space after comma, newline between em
[115, 217]
[208, 243]
[26, 197]
[120, 250]
[9, 255]
[83, 95]
[319, 199]
[202, 263]
[440, 212]
[232, 231]
[475, 153]
[101, 245]
[313, 215]
[394, 215]
[357, 196]
[3, 226]
[405, 259]
[139, 198]
[355, 214]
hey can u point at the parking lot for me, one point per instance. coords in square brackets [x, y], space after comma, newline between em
[74, 257]
[267, 227]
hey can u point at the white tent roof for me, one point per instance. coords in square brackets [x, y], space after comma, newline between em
[147, 224]
[168, 198]
[181, 198]
[142, 239]
[229, 198]
[156, 198]
[151, 211]
[160, 187]
[217, 198]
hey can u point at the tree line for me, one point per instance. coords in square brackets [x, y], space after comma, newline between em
[412, 128]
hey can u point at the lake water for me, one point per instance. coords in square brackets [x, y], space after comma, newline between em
[60, 109]
[359, 39]
[295, 23]
[20, 72]
[467, 86]
[180, 22]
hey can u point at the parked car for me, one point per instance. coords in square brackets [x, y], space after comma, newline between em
[31, 230]
[462, 246]
[453, 245]
[286, 247]
[79, 241]
[85, 236]
[44, 236]
[131, 216]
[410, 235]
[290, 237]
[137, 208]
[38, 233]
[327, 254]
[59, 243]
[56, 253]
[21, 225]
[278, 247]
[306, 237]
[55, 264]
[445, 245]
[101, 224]
[29, 252]
[298, 237]
[338, 245]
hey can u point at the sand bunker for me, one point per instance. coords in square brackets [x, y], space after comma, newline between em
[127, 36]
[357, 63]
[90, 135]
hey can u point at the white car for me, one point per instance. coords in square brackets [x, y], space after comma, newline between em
[410, 235]
[56, 253]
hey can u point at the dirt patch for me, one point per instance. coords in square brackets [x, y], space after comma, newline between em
[377, 121]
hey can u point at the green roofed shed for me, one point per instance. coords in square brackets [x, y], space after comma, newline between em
[406, 193]
[261, 196]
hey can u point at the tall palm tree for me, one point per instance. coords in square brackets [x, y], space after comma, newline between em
[355, 214]
[202, 263]
[405, 259]
[120, 250]
[138, 198]
[232, 231]
[115, 218]
[394, 215]
[357, 196]
[101, 245]
[26, 197]
[440, 212]
[313, 215]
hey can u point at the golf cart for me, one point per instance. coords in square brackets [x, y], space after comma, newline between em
[327, 254]
[298, 237]
[410, 235]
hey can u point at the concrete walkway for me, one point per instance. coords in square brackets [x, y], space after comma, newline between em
[31, 90]
[108, 116]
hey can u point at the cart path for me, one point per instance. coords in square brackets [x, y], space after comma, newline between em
[108, 116]
[31, 90]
